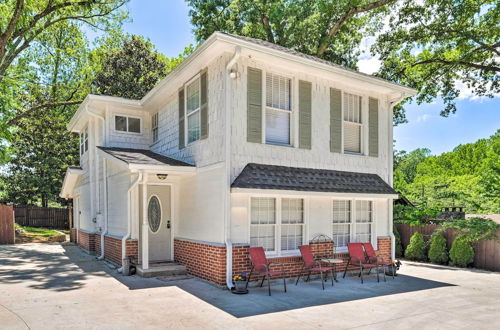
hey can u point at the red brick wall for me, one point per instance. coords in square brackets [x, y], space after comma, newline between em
[87, 241]
[113, 249]
[206, 261]
[384, 248]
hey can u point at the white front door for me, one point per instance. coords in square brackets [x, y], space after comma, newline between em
[159, 220]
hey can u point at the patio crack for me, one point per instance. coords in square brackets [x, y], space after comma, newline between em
[17, 315]
[389, 320]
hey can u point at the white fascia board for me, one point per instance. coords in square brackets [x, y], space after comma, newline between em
[276, 192]
[69, 181]
[162, 168]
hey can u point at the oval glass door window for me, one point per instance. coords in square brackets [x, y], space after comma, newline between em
[154, 214]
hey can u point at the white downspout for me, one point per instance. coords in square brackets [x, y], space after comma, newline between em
[227, 181]
[129, 217]
[390, 222]
[105, 193]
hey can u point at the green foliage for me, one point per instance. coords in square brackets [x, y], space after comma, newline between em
[476, 229]
[468, 176]
[416, 249]
[331, 30]
[461, 252]
[399, 246]
[414, 216]
[438, 253]
[133, 69]
[437, 45]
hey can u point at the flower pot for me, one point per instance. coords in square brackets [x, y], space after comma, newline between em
[240, 285]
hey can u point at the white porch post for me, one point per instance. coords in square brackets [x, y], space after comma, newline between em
[145, 229]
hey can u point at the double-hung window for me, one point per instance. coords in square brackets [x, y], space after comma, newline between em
[278, 109]
[364, 219]
[154, 127]
[193, 113]
[277, 224]
[352, 123]
[341, 222]
[84, 141]
[127, 124]
[352, 222]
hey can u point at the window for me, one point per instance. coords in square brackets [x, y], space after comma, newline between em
[363, 221]
[84, 141]
[341, 223]
[346, 230]
[292, 223]
[278, 109]
[127, 124]
[267, 224]
[154, 127]
[263, 223]
[193, 113]
[352, 123]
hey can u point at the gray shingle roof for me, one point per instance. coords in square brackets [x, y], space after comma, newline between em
[258, 176]
[306, 56]
[142, 156]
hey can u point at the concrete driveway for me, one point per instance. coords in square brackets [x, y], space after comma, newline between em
[57, 286]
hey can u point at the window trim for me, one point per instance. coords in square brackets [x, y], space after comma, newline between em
[292, 111]
[352, 224]
[186, 132]
[363, 124]
[157, 127]
[84, 142]
[277, 232]
[127, 131]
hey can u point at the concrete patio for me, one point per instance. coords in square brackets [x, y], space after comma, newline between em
[56, 286]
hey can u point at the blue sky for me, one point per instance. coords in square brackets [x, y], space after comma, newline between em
[166, 24]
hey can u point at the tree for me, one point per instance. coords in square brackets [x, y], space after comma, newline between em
[41, 147]
[133, 69]
[461, 252]
[331, 30]
[436, 45]
[23, 23]
[416, 249]
[438, 253]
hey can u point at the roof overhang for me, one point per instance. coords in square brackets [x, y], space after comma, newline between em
[295, 193]
[153, 168]
[70, 179]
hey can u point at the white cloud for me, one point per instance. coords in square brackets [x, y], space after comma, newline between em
[467, 93]
[423, 118]
[369, 65]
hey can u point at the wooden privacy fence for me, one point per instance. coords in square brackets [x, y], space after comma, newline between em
[7, 234]
[48, 217]
[487, 253]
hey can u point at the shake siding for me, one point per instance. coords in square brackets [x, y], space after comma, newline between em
[319, 156]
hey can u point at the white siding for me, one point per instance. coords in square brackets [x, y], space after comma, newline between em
[118, 184]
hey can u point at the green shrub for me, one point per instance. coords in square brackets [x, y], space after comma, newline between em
[399, 246]
[416, 249]
[461, 252]
[438, 253]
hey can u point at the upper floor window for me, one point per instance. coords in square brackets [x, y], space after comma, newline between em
[278, 109]
[84, 141]
[127, 124]
[346, 230]
[352, 123]
[154, 127]
[193, 113]
[277, 224]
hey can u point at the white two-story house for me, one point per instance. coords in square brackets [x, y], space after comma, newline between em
[246, 143]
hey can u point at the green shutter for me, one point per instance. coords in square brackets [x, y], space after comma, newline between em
[254, 105]
[204, 105]
[305, 90]
[182, 143]
[335, 120]
[373, 127]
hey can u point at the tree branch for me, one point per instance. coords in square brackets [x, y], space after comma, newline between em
[350, 13]
[464, 63]
[16, 119]
[7, 34]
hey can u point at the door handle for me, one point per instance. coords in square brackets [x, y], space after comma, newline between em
[168, 224]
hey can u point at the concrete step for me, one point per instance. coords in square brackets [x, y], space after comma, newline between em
[163, 269]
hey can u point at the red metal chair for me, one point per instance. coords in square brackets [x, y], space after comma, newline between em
[260, 266]
[357, 257]
[372, 257]
[312, 265]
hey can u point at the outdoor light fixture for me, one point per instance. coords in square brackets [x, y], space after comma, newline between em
[161, 176]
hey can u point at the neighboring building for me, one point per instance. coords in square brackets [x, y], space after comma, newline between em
[246, 143]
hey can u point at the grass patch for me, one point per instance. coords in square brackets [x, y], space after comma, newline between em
[32, 234]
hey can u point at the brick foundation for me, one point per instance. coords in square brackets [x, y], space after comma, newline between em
[72, 235]
[91, 243]
[204, 260]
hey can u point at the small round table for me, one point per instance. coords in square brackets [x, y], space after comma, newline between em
[333, 262]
